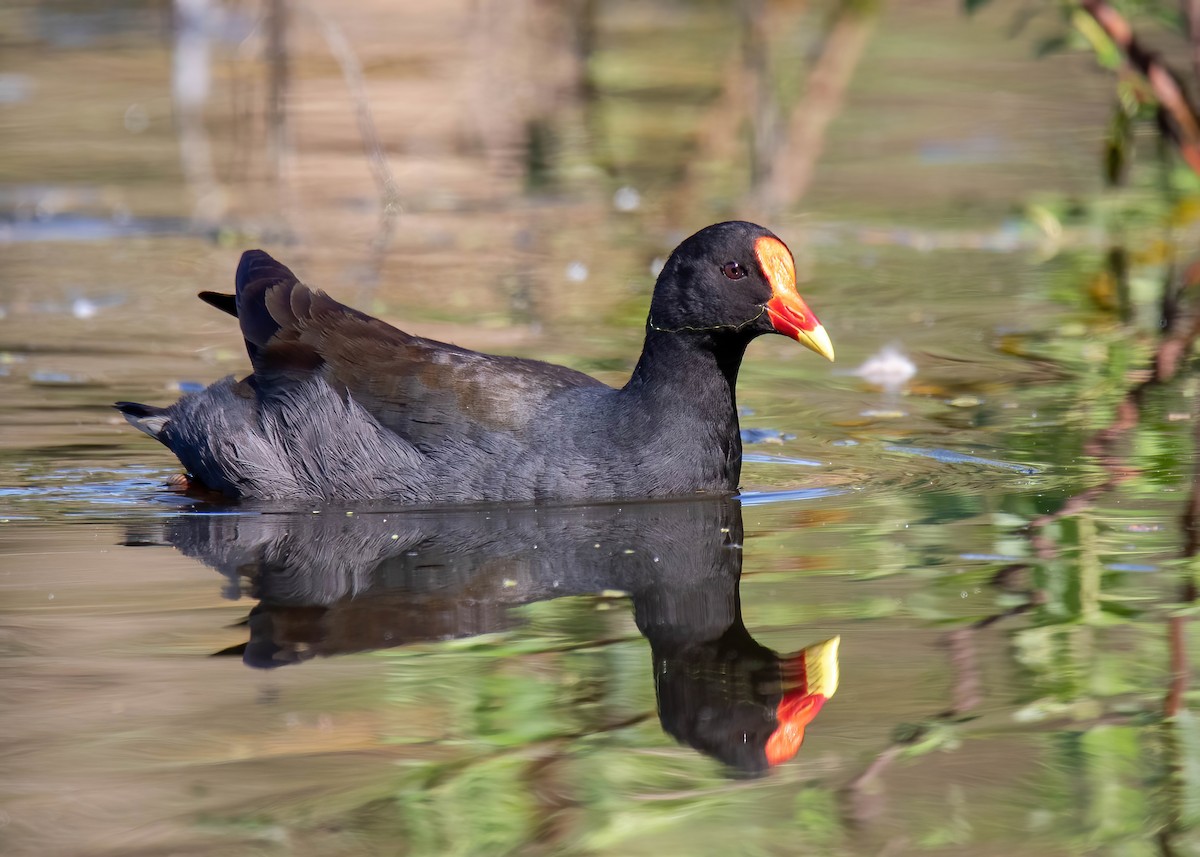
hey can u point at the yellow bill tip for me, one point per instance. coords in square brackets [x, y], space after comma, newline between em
[817, 340]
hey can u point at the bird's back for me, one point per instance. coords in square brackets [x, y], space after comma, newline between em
[344, 406]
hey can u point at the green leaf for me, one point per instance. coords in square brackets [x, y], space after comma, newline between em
[1107, 53]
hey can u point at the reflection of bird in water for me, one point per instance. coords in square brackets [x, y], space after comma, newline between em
[332, 583]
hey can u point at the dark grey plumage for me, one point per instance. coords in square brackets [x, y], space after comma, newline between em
[342, 406]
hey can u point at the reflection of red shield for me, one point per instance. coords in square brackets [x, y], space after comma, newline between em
[810, 677]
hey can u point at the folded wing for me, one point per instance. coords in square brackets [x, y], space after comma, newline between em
[430, 393]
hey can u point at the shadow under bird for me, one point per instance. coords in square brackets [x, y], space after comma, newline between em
[341, 406]
[333, 584]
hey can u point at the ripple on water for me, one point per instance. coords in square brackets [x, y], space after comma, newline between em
[948, 456]
[89, 493]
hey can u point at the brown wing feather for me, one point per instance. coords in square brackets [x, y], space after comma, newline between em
[430, 393]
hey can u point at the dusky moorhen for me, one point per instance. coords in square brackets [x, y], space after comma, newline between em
[341, 406]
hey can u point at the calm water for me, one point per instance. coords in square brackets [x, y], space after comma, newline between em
[999, 543]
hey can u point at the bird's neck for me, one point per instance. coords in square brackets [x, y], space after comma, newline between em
[685, 382]
[675, 361]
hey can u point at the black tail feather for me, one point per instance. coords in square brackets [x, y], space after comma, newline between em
[145, 418]
[223, 302]
[138, 410]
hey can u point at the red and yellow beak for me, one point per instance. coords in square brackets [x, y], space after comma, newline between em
[813, 677]
[788, 312]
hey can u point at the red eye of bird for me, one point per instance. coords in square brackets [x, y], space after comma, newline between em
[733, 270]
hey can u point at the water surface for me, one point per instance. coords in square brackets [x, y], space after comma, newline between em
[999, 544]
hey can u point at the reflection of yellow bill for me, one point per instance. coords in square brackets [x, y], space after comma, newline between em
[822, 660]
[812, 676]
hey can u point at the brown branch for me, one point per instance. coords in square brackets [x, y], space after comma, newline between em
[1191, 515]
[1191, 14]
[352, 74]
[1183, 124]
[1177, 625]
[745, 101]
[279, 78]
[786, 178]
[968, 681]
[1177, 644]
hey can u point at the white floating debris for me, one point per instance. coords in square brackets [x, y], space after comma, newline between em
[56, 378]
[889, 369]
[15, 88]
[577, 272]
[883, 413]
[136, 119]
[627, 199]
[83, 308]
